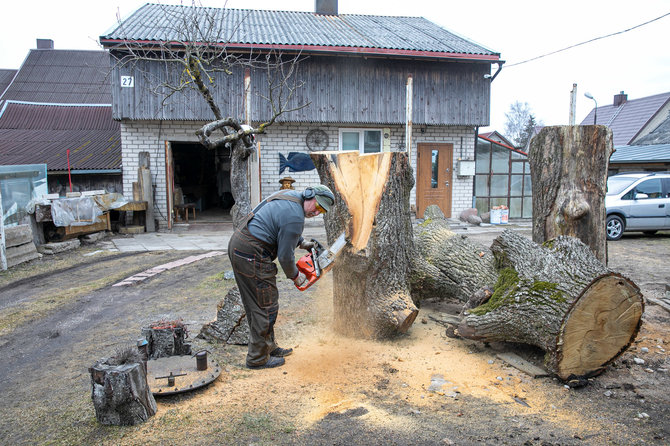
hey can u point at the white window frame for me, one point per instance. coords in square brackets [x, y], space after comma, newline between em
[361, 132]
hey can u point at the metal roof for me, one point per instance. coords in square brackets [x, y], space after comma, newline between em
[627, 119]
[300, 31]
[641, 154]
[62, 76]
[6, 77]
[42, 133]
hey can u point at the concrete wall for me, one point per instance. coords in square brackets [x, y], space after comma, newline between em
[150, 136]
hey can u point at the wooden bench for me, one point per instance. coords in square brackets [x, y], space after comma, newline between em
[182, 209]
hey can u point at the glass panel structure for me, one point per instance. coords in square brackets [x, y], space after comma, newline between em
[502, 178]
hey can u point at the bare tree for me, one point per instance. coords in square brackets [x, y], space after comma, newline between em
[516, 122]
[192, 53]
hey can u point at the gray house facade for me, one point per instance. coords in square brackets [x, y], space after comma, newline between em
[372, 84]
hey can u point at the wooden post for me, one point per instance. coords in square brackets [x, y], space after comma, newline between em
[146, 188]
[573, 105]
[3, 254]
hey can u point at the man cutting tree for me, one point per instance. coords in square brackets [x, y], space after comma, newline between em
[271, 231]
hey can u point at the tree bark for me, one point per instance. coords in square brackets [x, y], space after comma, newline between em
[371, 277]
[120, 393]
[568, 167]
[558, 297]
[447, 265]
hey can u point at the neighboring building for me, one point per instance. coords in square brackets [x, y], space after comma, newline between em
[357, 72]
[6, 77]
[60, 100]
[502, 177]
[640, 130]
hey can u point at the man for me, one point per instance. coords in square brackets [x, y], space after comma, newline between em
[272, 230]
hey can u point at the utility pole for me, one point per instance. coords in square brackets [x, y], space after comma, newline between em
[573, 104]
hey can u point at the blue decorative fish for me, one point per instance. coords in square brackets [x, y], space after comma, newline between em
[295, 162]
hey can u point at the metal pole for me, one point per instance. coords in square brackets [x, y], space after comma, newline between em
[573, 104]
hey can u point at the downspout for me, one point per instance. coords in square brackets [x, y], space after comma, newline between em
[500, 65]
[474, 198]
[408, 118]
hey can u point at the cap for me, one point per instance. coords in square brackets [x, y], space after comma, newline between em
[324, 197]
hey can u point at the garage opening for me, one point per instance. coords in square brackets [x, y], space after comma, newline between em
[202, 179]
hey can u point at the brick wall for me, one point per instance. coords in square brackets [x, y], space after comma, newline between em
[150, 136]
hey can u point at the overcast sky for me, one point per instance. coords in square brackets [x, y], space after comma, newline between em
[636, 62]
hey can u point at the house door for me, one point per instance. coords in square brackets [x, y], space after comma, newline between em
[434, 177]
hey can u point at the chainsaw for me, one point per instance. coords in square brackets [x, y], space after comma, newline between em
[318, 261]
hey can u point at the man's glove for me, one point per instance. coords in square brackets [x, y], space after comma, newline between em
[306, 245]
[300, 279]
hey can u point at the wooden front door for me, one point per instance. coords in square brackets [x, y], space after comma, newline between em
[434, 177]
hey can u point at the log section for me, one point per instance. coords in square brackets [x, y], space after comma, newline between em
[568, 167]
[371, 277]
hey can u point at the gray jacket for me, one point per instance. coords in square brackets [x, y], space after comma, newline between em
[280, 223]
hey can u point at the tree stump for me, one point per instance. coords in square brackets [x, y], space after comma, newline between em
[166, 338]
[568, 166]
[231, 325]
[558, 297]
[371, 277]
[120, 392]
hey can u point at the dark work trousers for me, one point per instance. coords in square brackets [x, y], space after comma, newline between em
[255, 274]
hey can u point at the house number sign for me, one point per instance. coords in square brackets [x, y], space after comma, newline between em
[127, 81]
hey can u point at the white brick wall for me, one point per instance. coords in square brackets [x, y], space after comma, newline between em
[150, 136]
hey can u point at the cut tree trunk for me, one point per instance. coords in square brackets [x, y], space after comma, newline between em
[568, 167]
[371, 277]
[120, 393]
[230, 326]
[558, 297]
[447, 265]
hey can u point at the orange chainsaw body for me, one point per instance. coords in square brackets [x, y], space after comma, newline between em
[307, 266]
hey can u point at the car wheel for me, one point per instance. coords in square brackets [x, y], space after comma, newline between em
[649, 232]
[614, 227]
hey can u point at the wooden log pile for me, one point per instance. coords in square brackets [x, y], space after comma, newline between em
[557, 296]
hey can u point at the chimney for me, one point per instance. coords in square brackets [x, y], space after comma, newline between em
[45, 44]
[620, 99]
[325, 7]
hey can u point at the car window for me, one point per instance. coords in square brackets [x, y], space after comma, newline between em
[615, 185]
[650, 187]
[666, 187]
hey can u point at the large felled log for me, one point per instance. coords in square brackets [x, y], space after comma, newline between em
[371, 277]
[447, 265]
[559, 297]
[230, 326]
[568, 167]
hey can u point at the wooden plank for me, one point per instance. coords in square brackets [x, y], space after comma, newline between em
[133, 206]
[102, 224]
[519, 363]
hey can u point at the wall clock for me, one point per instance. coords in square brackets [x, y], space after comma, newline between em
[317, 140]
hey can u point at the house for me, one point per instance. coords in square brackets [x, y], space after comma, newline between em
[358, 72]
[640, 130]
[60, 101]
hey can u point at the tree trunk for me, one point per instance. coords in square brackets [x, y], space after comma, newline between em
[560, 298]
[120, 393]
[371, 277]
[447, 265]
[568, 167]
[239, 182]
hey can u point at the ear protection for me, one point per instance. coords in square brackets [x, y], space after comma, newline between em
[308, 194]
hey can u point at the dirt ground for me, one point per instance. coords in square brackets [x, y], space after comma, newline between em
[60, 314]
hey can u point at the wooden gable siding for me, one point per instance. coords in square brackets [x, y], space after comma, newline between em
[339, 89]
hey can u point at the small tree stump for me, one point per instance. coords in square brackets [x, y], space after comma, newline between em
[120, 393]
[166, 338]
[231, 324]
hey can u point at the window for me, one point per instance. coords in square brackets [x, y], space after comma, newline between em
[652, 188]
[363, 140]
